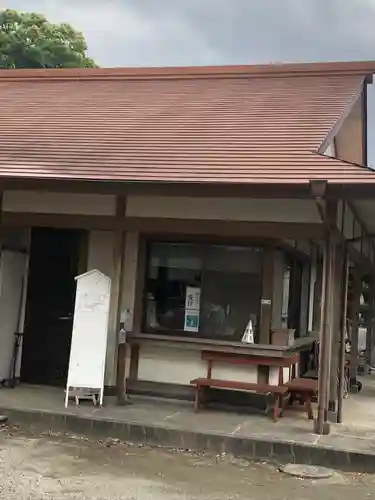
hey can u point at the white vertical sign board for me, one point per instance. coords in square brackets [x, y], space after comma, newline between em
[192, 306]
[89, 336]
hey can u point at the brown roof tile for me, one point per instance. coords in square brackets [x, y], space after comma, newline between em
[202, 126]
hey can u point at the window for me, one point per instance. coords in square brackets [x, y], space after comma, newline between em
[207, 291]
[292, 296]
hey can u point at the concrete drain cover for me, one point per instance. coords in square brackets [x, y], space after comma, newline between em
[306, 471]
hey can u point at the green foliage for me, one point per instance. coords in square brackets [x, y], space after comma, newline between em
[28, 40]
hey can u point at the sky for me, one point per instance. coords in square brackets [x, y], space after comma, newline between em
[206, 32]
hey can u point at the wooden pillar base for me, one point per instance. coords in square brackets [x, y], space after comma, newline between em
[354, 389]
[124, 400]
[326, 429]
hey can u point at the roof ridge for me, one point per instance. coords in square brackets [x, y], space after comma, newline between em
[364, 68]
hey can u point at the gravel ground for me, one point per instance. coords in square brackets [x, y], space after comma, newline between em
[58, 467]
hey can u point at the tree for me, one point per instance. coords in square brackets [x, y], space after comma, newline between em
[29, 40]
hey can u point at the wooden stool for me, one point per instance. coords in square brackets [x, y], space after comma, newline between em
[304, 389]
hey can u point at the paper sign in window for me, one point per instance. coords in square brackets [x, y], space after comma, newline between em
[192, 307]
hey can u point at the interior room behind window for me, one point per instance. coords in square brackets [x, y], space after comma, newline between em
[229, 279]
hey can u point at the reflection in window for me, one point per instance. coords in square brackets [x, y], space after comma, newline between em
[286, 290]
[292, 294]
[226, 281]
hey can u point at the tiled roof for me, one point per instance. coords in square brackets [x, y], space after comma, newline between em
[169, 125]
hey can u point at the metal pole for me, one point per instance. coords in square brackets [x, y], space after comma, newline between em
[344, 308]
[321, 426]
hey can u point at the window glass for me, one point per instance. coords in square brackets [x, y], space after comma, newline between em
[207, 291]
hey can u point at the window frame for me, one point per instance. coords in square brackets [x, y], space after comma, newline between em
[204, 242]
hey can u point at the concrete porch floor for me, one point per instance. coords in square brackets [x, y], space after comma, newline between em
[174, 423]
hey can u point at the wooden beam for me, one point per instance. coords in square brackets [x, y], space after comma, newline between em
[226, 227]
[281, 230]
[28, 219]
[369, 323]
[116, 300]
[266, 191]
[321, 425]
[1, 220]
[245, 190]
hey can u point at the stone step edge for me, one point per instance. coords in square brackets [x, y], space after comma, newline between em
[170, 437]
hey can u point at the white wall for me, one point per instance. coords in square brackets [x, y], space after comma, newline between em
[100, 252]
[273, 378]
[59, 203]
[179, 365]
[18, 240]
[100, 256]
[238, 209]
[330, 150]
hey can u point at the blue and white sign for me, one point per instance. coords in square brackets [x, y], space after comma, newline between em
[192, 308]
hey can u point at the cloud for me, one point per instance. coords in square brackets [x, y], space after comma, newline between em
[170, 32]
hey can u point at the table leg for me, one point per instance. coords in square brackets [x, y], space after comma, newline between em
[308, 406]
[196, 402]
[276, 409]
[284, 401]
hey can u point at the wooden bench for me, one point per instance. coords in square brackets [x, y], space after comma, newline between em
[280, 391]
[303, 389]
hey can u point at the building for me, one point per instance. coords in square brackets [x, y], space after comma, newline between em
[248, 183]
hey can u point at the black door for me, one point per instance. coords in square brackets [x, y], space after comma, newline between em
[54, 260]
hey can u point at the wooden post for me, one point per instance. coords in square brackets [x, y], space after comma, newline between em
[115, 301]
[321, 424]
[354, 317]
[369, 321]
[126, 352]
[341, 348]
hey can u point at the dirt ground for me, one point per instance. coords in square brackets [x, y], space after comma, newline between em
[60, 467]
